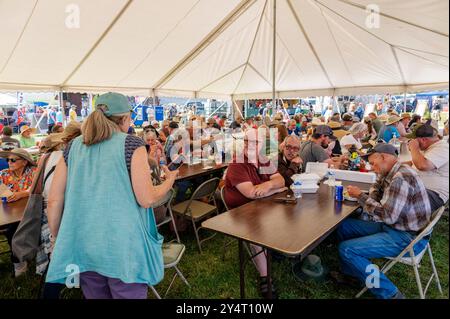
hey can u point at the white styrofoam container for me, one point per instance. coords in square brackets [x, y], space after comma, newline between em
[309, 189]
[353, 176]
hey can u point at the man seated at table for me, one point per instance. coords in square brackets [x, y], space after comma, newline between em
[399, 204]
[430, 158]
[247, 179]
[314, 150]
[289, 161]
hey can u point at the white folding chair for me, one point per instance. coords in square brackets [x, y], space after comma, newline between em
[173, 250]
[415, 260]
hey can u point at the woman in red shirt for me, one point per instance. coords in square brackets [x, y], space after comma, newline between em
[247, 179]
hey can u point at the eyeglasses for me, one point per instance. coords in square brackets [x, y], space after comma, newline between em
[292, 148]
[12, 160]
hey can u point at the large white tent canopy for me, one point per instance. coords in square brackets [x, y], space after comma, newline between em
[223, 48]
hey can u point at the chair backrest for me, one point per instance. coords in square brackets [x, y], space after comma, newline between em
[222, 197]
[206, 189]
[435, 216]
[165, 200]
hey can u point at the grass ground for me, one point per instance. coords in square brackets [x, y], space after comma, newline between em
[212, 277]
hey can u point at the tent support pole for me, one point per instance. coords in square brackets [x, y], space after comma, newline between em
[404, 101]
[274, 55]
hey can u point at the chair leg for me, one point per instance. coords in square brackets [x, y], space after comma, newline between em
[155, 292]
[419, 282]
[170, 285]
[196, 236]
[434, 269]
[182, 276]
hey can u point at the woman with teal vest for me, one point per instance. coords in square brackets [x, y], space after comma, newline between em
[99, 209]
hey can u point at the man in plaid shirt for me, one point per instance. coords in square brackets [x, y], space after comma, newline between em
[400, 207]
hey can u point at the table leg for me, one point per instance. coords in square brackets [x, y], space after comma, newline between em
[242, 267]
[269, 272]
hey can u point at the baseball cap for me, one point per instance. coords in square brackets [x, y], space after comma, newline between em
[116, 103]
[347, 117]
[428, 129]
[324, 130]
[384, 148]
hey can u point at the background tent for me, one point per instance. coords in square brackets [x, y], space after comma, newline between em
[218, 48]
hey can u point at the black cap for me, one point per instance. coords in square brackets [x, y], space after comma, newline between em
[173, 124]
[426, 130]
[384, 148]
[324, 130]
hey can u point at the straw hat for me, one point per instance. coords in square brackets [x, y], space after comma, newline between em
[393, 119]
[334, 125]
[406, 115]
[316, 121]
[20, 152]
[25, 128]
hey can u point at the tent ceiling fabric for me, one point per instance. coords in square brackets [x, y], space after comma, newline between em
[217, 48]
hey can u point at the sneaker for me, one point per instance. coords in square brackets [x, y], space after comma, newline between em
[20, 268]
[398, 295]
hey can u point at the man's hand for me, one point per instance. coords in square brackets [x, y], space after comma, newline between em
[263, 189]
[297, 161]
[413, 145]
[354, 191]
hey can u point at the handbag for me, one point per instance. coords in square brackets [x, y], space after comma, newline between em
[25, 242]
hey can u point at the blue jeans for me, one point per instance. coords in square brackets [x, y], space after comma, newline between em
[362, 240]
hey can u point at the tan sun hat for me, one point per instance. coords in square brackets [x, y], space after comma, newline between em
[20, 152]
[393, 119]
[334, 124]
[25, 128]
[406, 115]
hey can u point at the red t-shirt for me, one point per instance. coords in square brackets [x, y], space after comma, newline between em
[236, 174]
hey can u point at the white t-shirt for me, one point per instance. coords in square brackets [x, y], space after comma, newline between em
[349, 140]
[437, 179]
[52, 161]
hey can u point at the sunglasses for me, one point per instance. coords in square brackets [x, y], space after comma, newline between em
[12, 160]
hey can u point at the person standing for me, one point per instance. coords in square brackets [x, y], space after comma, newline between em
[73, 113]
[110, 235]
[51, 119]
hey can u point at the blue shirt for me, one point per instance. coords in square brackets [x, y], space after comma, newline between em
[51, 117]
[388, 132]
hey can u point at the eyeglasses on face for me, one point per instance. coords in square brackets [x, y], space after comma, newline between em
[292, 148]
[12, 160]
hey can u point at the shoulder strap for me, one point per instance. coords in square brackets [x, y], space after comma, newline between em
[38, 186]
[50, 172]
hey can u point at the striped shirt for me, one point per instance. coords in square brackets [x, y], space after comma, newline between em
[399, 200]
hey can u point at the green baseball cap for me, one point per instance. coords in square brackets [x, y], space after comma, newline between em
[116, 103]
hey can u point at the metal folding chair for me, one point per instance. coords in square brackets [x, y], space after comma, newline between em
[415, 260]
[172, 251]
[197, 210]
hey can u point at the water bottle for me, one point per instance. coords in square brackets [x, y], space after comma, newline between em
[331, 178]
[296, 189]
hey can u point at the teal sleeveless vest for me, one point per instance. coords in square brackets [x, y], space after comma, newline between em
[103, 229]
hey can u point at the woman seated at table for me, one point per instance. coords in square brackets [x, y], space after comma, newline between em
[26, 139]
[18, 178]
[247, 179]
[356, 132]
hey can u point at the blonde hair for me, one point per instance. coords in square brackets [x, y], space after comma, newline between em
[98, 127]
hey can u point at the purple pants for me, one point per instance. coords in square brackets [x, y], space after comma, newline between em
[96, 286]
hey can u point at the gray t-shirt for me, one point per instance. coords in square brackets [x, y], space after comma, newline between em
[311, 152]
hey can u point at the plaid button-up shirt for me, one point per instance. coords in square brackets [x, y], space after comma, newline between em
[399, 200]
